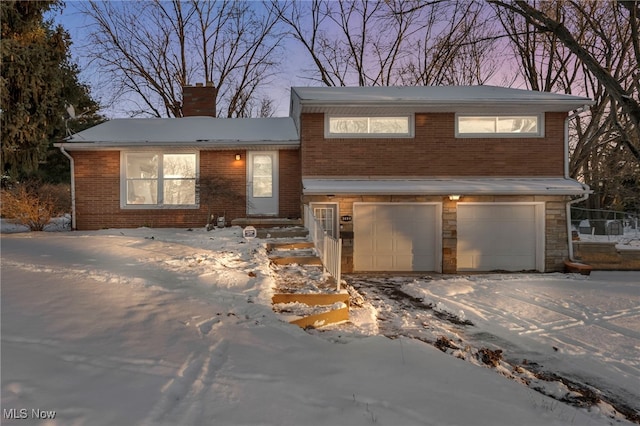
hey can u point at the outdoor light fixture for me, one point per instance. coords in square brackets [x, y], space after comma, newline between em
[454, 197]
[238, 157]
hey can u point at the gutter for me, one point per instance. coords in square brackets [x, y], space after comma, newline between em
[73, 187]
[566, 176]
[184, 145]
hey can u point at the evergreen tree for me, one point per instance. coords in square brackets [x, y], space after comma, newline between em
[37, 80]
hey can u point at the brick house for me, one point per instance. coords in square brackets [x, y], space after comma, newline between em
[444, 179]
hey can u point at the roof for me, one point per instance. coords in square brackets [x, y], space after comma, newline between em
[434, 98]
[201, 132]
[443, 186]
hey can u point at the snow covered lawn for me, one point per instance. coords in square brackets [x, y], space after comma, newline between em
[167, 327]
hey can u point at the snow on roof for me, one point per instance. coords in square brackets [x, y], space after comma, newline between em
[453, 97]
[193, 130]
[465, 186]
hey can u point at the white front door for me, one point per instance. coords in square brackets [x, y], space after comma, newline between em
[262, 183]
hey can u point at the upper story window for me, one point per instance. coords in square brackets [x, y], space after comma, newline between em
[530, 125]
[154, 179]
[367, 127]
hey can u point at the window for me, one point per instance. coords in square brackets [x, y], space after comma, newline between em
[262, 176]
[156, 179]
[326, 215]
[352, 126]
[499, 125]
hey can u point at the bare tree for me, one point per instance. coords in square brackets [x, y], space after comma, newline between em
[150, 49]
[624, 19]
[374, 43]
[455, 46]
[586, 47]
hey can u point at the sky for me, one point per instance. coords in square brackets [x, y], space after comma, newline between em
[77, 25]
[293, 66]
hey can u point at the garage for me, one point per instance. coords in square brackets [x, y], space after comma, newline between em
[397, 237]
[500, 237]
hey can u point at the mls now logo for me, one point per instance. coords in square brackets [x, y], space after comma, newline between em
[23, 413]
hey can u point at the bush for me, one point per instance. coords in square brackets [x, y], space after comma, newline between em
[32, 205]
[60, 195]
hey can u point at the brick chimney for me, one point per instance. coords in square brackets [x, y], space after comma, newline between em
[199, 100]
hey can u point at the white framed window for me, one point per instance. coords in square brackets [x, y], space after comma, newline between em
[342, 126]
[499, 125]
[158, 179]
[327, 215]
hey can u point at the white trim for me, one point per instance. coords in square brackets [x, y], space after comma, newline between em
[123, 182]
[441, 186]
[437, 231]
[539, 134]
[328, 135]
[540, 225]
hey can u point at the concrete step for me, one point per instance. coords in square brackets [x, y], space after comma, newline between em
[284, 232]
[273, 227]
[300, 260]
[266, 222]
[289, 245]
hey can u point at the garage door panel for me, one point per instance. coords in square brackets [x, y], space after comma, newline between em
[499, 236]
[395, 237]
[496, 263]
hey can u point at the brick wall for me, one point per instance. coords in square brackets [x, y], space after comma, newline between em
[97, 175]
[199, 100]
[232, 176]
[434, 151]
[290, 184]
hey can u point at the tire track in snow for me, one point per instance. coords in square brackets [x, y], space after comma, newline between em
[183, 396]
[59, 349]
[398, 317]
[583, 320]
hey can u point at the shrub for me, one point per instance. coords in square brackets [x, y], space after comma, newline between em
[26, 204]
[60, 195]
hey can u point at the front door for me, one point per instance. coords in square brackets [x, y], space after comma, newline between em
[262, 183]
[327, 215]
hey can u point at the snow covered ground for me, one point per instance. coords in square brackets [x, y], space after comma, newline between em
[168, 327]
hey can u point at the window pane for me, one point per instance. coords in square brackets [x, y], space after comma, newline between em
[348, 124]
[179, 191]
[518, 124]
[156, 179]
[142, 166]
[142, 191]
[325, 217]
[179, 165]
[476, 124]
[262, 176]
[398, 125]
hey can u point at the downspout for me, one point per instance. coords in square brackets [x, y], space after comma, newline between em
[73, 188]
[566, 176]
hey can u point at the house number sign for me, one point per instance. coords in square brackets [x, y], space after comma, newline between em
[346, 218]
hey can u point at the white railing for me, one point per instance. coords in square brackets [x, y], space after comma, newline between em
[328, 248]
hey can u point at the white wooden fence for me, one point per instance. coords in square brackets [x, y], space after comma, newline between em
[328, 248]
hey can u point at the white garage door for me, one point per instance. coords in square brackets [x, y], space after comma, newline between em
[397, 237]
[500, 236]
